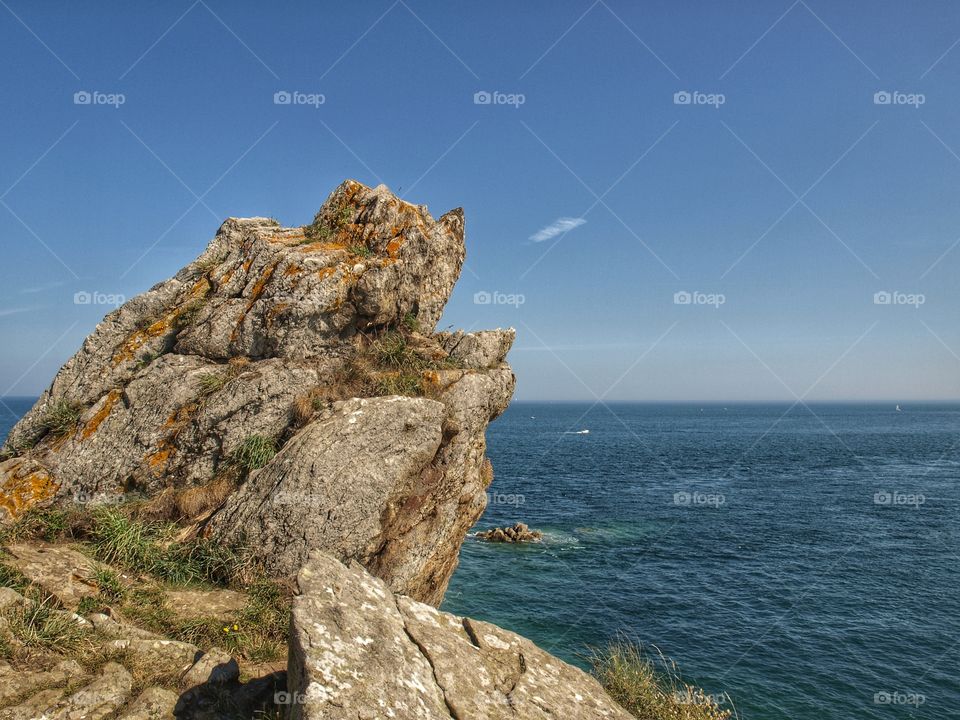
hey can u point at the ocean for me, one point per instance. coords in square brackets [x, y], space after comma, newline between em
[804, 561]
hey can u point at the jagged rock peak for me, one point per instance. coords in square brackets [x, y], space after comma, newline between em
[220, 394]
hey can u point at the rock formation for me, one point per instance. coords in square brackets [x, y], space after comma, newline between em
[286, 392]
[358, 650]
[518, 533]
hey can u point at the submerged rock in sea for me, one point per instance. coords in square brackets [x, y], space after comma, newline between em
[286, 392]
[518, 533]
[359, 650]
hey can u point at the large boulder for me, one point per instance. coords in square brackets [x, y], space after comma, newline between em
[255, 342]
[359, 650]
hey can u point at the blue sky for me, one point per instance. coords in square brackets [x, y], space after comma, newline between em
[781, 198]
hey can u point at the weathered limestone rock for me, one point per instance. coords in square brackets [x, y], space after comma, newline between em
[169, 388]
[152, 704]
[16, 683]
[519, 533]
[215, 666]
[358, 650]
[61, 571]
[192, 604]
[96, 701]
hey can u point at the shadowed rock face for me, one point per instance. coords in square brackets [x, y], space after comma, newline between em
[359, 650]
[169, 387]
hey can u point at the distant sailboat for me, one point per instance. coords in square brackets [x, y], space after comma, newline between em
[898, 408]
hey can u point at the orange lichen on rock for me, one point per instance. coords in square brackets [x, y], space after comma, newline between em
[20, 492]
[141, 337]
[102, 414]
[158, 459]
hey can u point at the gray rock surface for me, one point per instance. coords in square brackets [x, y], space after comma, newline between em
[61, 571]
[359, 650]
[172, 385]
[152, 704]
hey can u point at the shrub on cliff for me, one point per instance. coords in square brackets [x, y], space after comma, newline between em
[650, 687]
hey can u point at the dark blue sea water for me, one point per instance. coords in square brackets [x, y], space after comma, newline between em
[805, 562]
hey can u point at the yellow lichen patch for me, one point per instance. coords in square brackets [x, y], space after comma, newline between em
[247, 263]
[20, 492]
[141, 337]
[106, 407]
[275, 310]
[255, 294]
[200, 289]
[393, 247]
[226, 276]
[326, 272]
[291, 270]
[320, 246]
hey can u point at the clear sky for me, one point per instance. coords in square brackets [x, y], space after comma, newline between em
[782, 196]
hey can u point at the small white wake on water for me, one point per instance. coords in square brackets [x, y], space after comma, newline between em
[576, 432]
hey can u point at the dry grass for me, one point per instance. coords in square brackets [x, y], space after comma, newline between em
[649, 687]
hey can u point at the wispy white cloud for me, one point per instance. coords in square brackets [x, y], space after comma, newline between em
[560, 225]
[14, 311]
[41, 288]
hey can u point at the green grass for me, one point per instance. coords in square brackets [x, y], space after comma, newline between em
[39, 625]
[408, 384]
[649, 687]
[211, 383]
[49, 524]
[255, 452]
[108, 583]
[146, 547]
[360, 250]
[12, 578]
[61, 417]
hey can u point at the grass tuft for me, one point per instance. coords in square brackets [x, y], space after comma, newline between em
[61, 417]
[42, 626]
[255, 452]
[649, 687]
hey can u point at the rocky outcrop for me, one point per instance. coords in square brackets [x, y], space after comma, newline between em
[359, 650]
[246, 396]
[518, 533]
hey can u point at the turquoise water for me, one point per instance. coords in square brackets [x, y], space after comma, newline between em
[810, 571]
[785, 583]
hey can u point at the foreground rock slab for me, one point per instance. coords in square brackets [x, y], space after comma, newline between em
[359, 650]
